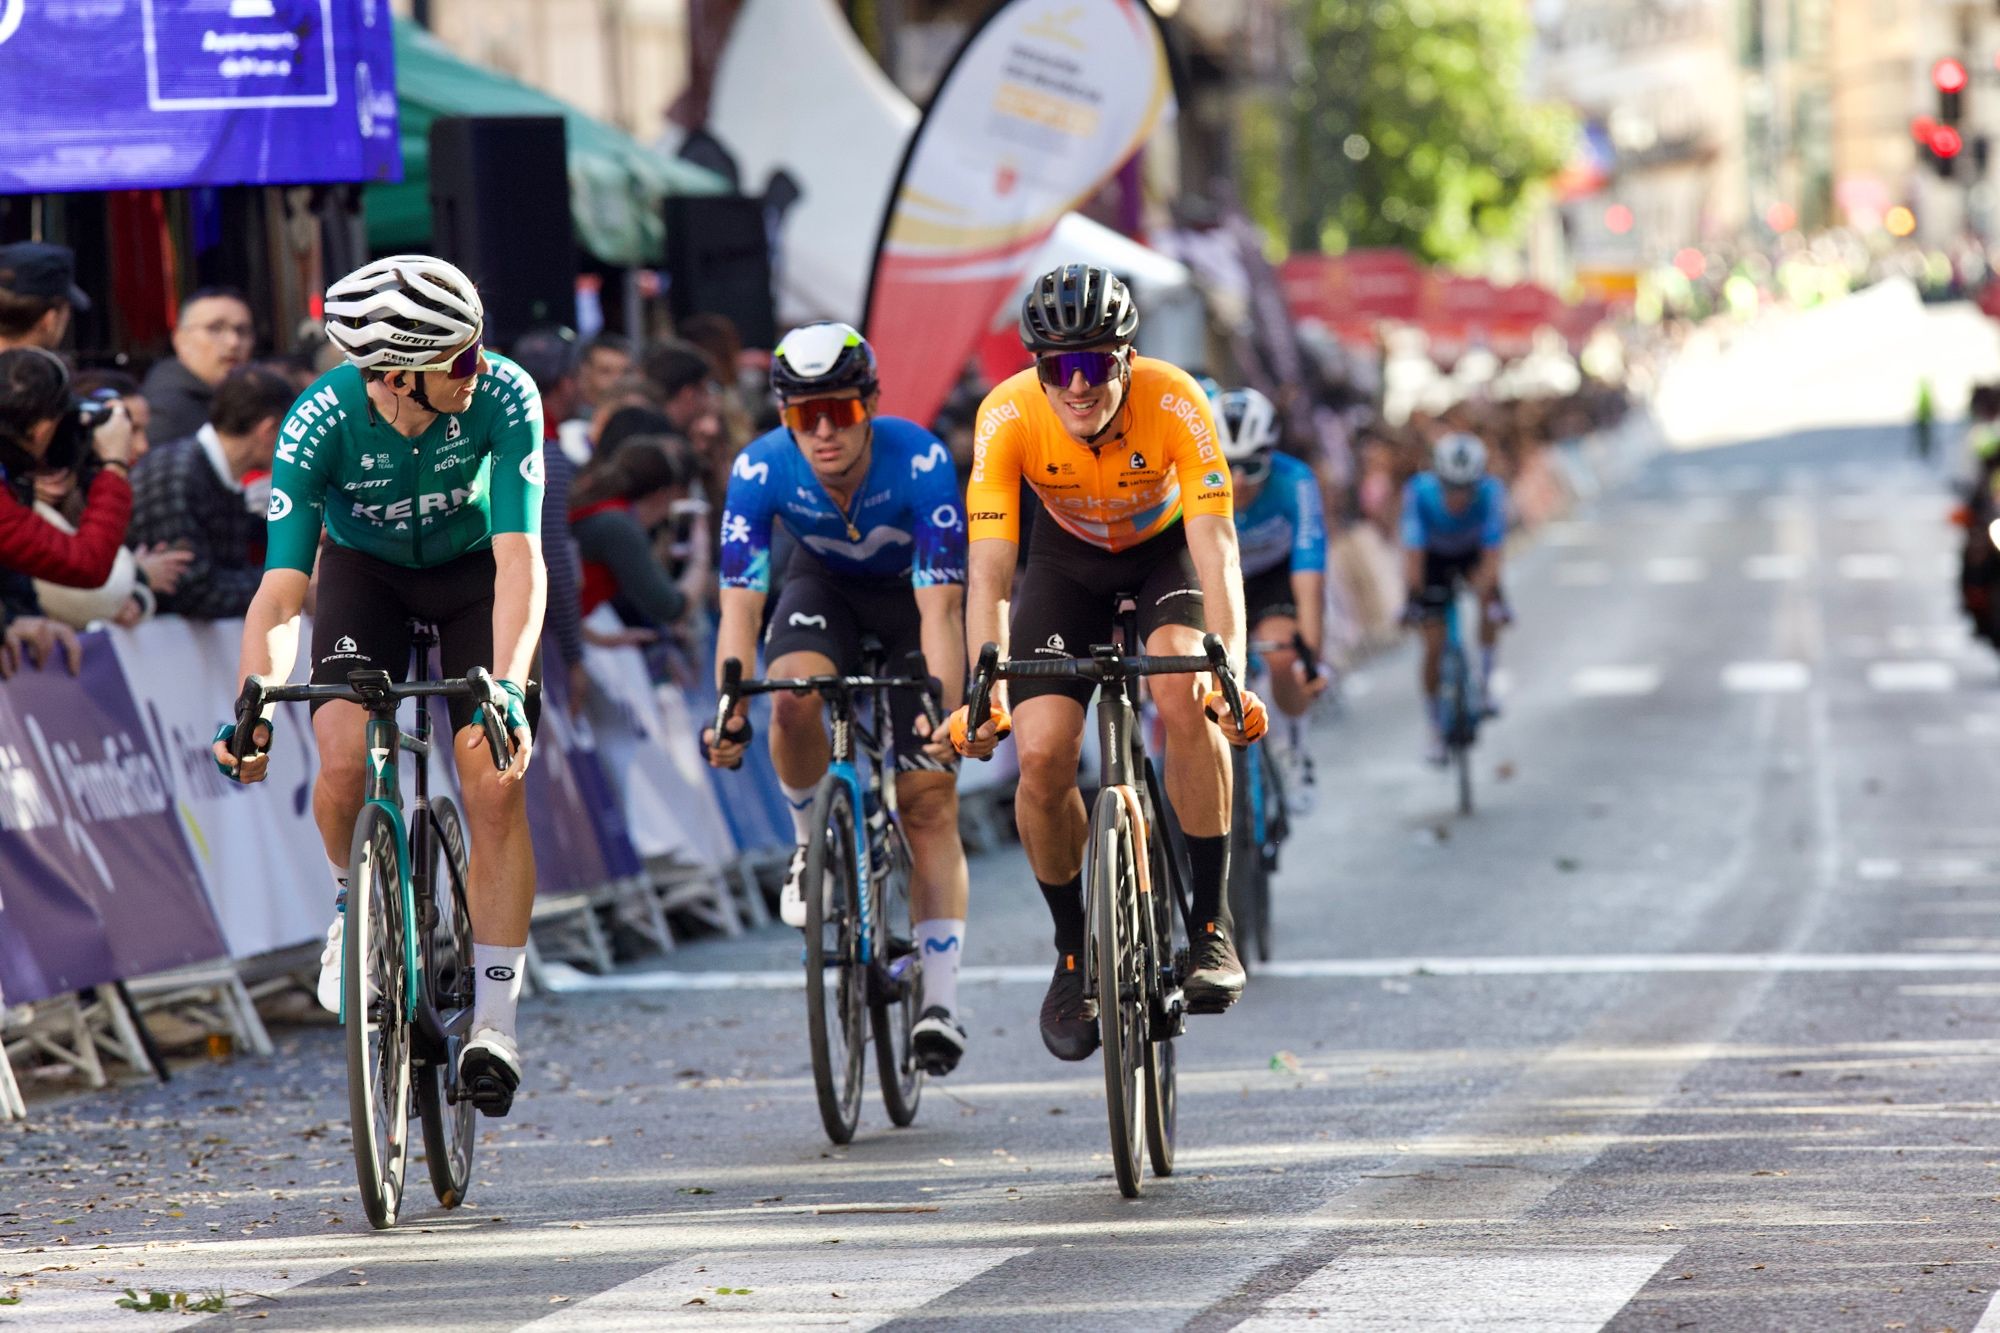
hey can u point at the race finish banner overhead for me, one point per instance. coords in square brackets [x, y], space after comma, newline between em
[158, 94]
[1045, 101]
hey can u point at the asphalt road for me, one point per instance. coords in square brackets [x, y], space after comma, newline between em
[1693, 1025]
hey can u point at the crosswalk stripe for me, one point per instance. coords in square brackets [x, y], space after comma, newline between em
[1615, 681]
[1578, 1290]
[764, 1289]
[1869, 566]
[1989, 1322]
[1911, 677]
[1766, 677]
[1675, 569]
[1774, 568]
[85, 1301]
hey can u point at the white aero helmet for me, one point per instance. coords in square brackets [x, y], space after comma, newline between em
[406, 312]
[1247, 423]
[1458, 459]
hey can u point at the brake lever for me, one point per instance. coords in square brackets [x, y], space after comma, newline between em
[249, 716]
[1225, 678]
[978, 704]
[493, 717]
[725, 703]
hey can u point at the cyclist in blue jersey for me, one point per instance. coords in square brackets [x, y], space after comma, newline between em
[1281, 535]
[872, 504]
[1454, 526]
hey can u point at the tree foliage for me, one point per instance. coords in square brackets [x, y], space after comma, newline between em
[1410, 128]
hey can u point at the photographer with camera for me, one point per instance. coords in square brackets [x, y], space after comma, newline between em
[44, 427]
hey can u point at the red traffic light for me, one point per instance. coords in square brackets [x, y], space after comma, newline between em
[1947, 142]
[1949, 75]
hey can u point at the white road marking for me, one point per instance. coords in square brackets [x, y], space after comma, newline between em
[1989, 1322]
[564, 979]
[1675, 569]
[1578, 1290]
[85, 1301]
[1878, 868]
[845, 1287]
[1870, 567]
[1571, 532]
[1614, 681]
[1774, 568]
[1766, 677]
[1911, 677]
[1583, 574]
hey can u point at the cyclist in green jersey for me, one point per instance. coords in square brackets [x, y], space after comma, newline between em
[412, 475]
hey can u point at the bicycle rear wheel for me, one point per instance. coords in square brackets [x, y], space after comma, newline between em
[836, 983]
[1119, 969]
[375, 1001]
[1461, 726]
[437, 858]
[1249, 882]
[896, 939]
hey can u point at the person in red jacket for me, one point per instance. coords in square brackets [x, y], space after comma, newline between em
[35, 405]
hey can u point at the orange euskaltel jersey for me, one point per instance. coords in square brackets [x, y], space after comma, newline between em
[1159, 461]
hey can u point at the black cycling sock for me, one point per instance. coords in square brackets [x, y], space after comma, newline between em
[1208, 860]
[1066, 910]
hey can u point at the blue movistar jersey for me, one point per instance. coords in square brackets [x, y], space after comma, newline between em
[1285, 524]
[1429, 525]
[906, 520]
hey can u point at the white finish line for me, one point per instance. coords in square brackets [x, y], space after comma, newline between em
[566, 980]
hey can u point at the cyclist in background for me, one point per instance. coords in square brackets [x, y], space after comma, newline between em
[873, 505]
[1454, 526]
[412, 474]
[1121, 450]
[1281, 534]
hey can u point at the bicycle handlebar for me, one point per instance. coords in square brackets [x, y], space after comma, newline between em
[378, 691]
[1108, 665]
[735, 688]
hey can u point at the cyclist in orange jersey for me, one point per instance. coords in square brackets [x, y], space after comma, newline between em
[1122, 452]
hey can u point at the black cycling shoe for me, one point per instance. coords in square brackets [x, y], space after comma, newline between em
[938, 1040]
[1069, 1022]
[1217, 979]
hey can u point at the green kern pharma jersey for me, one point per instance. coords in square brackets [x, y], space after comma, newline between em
[412, 502]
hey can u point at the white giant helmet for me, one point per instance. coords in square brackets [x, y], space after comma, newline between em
[1458, 459]
[1247, 423]
[406, 312]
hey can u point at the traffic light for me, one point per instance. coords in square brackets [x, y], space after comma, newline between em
[1945, 141]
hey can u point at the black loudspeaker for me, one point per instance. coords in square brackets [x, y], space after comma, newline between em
[500, 211]
[719, 262]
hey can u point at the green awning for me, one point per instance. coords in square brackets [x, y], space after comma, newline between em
[616, 183]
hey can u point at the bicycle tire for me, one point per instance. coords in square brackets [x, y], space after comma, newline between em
[438, 843]
[895, 1056]
[1119, 970]
[1162, 1084]
[375, 999]
[1246, 857]
[836, 1022]
[1461, 727]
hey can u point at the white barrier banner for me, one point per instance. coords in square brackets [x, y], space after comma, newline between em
[257, 847]
[624, 717]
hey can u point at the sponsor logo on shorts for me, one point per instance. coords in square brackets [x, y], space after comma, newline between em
[805, 621]
[346, 645]
[1055, 646]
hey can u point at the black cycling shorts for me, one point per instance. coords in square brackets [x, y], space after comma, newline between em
[362, 620]
[1269, 594]
[817, 612]
[1067, 600]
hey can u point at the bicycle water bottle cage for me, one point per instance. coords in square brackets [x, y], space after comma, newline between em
[371, 683]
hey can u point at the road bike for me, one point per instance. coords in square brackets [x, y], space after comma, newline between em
[863, 969]
[1461, 708]
[406, 963]
[1259, 822]
[1135, 889]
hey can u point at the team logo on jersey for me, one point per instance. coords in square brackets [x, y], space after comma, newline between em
[735, 528]
[1138, 461]
[749, 471]
[452, 429]
[281, 505]
[531, 468]
[945, 516]
[1212, 479]
[367, 462]
[930, 460]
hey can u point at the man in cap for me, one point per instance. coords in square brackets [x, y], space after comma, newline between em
[37, 292]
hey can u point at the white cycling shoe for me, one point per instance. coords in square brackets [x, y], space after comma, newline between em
[792, 898]
[489, 1070]
[328, 989]
[938, 1040]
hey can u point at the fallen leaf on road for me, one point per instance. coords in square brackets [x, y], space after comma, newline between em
[694, 1189]
[557, 1300]
[1284, 1062]
[604, 1142]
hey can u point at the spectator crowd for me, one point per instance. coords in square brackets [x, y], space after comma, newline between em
[129, 497]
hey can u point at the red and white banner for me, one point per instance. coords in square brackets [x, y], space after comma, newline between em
[1046, 100]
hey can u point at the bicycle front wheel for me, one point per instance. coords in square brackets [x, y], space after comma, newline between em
[1247, 880]
[1167, 959]
[1119, 970]
[437, 856]
[836, 982]
[375, 999]
[895, 1017]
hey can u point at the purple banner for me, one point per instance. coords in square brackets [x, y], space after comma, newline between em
[572, 813]
[96, 883]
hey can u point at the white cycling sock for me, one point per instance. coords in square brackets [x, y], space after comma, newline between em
[1486, 655]
[339, 873]
[941, 941]
[497, 985]
[799, 801]
[1295, 733]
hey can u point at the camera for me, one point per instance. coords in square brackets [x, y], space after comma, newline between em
[71, 445]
